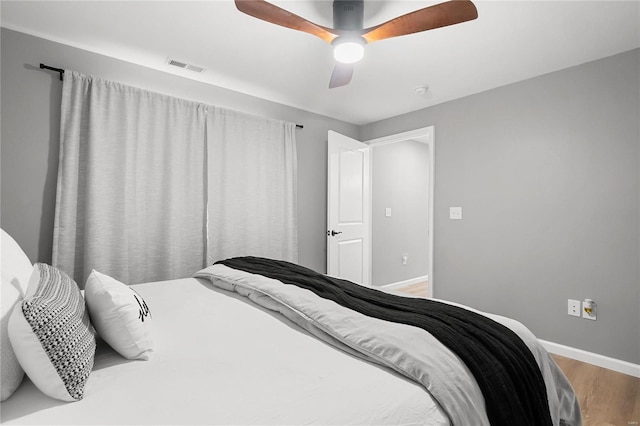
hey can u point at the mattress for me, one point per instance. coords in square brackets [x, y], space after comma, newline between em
[221, 359]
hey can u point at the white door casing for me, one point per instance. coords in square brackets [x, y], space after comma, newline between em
[348, 204]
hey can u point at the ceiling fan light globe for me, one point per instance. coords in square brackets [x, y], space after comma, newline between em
[348, 52]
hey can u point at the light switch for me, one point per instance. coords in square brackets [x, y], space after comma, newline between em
[387, 212]
[455, 213]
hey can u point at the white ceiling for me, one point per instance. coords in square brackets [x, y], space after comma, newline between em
[510, 41]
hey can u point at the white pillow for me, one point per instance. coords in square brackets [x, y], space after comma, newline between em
[120, 315]
[51, 334]
[16, 270]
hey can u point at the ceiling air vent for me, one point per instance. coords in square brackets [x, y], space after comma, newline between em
[184, 65]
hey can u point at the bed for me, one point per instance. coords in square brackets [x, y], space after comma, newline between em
[228, 349]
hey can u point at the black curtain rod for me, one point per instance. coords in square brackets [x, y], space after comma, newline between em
[47, 67]
[61, 71]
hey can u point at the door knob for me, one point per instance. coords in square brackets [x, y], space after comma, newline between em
[333, 233]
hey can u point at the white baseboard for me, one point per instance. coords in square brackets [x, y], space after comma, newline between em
[405, 282]
[593, 358]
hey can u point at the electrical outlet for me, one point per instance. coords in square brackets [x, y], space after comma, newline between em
[573, 308]
[589, 308]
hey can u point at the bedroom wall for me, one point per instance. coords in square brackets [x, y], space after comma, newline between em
[546, 171]
[400, 178]
[30, 138]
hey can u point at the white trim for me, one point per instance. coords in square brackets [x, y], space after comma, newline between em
[426, 135]
[405, 282]
[603, 361]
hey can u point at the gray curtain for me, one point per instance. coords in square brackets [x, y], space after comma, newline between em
[252, 187]
[131, 196]
[152, 187]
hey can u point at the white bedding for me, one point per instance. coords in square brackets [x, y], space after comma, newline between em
[409, 350]
[221, 360]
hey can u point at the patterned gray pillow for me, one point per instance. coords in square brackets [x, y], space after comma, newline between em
[52, 336]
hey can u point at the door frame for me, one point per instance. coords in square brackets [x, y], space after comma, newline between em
[426, 135]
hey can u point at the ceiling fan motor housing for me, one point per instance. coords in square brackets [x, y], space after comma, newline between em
[348, 14]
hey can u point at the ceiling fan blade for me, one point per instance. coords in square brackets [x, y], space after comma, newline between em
[341, 75]
[271, 13]
[436, 16]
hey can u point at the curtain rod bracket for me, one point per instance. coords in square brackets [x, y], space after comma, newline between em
[58, 70]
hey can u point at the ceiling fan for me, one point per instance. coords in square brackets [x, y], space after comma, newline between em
[348, 38]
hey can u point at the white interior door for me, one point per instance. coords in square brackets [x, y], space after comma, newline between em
[348, 230]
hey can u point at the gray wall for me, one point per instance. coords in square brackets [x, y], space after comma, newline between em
[400, 177]
[30, 138]
[546, 171]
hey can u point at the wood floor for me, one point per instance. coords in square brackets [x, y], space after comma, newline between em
[418, 289]
[607, 398]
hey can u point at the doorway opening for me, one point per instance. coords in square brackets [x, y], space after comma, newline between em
[401, 225]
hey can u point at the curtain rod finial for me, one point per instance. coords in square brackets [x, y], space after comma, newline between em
[58, 70]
